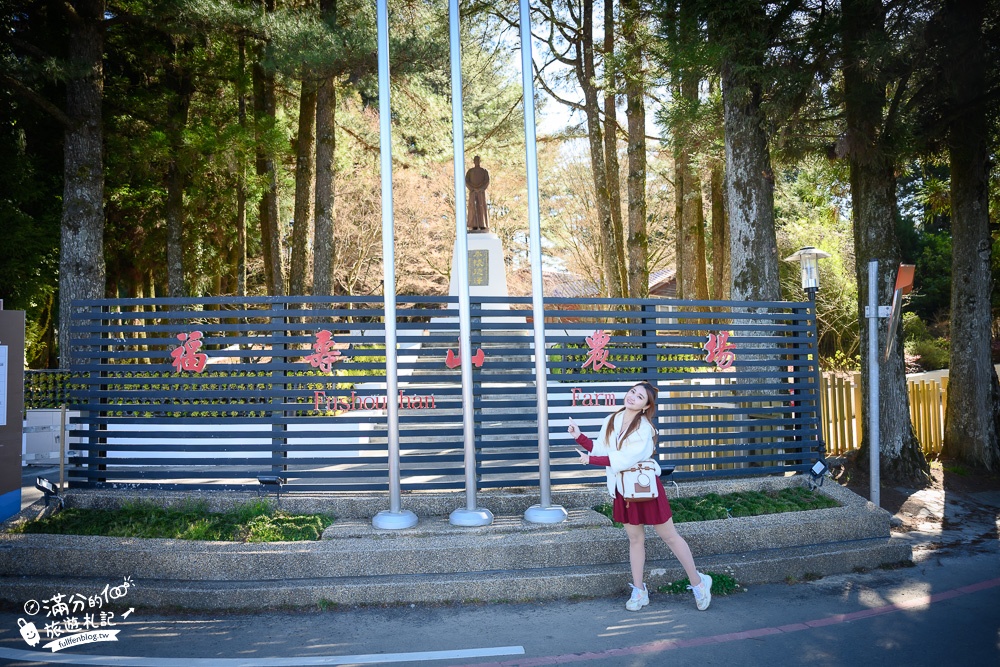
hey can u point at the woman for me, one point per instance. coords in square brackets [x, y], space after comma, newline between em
[627, 437]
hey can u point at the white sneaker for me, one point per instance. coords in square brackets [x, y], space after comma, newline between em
[702, 592]
[639, 599]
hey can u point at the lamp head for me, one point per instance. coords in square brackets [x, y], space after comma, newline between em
[808, 258]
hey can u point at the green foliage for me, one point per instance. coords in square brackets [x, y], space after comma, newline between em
[47, 389]
[723, 583]
[744, 503]
[841, 362]
[930, 354]
[623, 361]
[914, 327]
[748, 503]
[255, 521]
[812, 208]
[924, 352]
[931, 297]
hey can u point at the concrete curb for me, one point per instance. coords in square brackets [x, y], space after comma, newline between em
[436, 562]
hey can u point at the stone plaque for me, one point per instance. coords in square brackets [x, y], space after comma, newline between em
[479, 268]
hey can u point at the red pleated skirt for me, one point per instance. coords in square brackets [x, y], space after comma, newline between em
[645, 513]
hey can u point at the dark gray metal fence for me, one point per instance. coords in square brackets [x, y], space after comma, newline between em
[274, 393]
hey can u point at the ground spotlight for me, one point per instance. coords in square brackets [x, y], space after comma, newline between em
[49, 489]
[269, 483]
[665, 471]
[818, 472]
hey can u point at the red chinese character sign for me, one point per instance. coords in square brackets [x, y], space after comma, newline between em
[597, 358]
[719, 350]
[452, 360]
[186, 357]
[325, 354]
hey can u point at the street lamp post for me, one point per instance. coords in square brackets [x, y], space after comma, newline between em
[808, 259]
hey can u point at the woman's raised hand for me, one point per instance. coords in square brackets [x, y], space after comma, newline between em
[574, 430]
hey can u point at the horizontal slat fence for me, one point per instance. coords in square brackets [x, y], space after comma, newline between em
[263, 400]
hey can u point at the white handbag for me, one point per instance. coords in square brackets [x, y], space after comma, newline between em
[639, 481]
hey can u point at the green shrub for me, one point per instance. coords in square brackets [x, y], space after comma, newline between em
[255, 521]
[930, 355]
[914, 328]
[743, 503]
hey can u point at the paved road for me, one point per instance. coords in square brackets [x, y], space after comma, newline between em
[944, 611]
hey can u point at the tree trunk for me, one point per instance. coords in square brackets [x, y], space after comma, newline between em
[323, 247]
[265, 106]
[585, 76]
[305, 172]
[692, 231]
[753, 248]
[241, 186]
[970, 430]
[720, 235]
[873, 201]
[81, 258]
[326, 143]
[180, 89]
[679, 222]
[611, 145]
[638, 241]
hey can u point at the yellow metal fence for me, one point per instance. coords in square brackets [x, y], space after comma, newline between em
[841, 397]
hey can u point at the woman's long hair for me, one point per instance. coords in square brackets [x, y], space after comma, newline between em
[649, 413]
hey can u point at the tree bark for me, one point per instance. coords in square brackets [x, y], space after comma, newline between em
[305, 173]
[679, 221]
[720, 235]
[81, 258]
[585, 75]
[241, 186]
[753, 248]
[265, 108]
[873, 201]
[692, 232]
[635, 111]
[323, 246]
[970, 430]
[326, 143]
[180, 89]
[611, 145]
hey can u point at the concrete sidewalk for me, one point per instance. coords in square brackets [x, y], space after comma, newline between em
[435, 562]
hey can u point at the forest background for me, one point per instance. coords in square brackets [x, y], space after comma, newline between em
[202, 147]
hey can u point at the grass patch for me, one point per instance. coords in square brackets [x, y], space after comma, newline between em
[256, 521]
[744, 503]
[722, 584]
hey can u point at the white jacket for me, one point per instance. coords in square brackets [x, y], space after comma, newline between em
[635, 448]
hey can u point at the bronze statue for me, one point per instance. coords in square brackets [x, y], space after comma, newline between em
[477, 180]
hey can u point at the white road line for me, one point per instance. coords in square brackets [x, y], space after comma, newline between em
[300, 661]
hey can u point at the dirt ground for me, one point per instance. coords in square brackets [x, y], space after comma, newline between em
[959, 508]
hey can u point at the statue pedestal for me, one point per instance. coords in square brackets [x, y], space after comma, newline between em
[487, 275]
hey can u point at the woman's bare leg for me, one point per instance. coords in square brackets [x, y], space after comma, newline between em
[637, 551]
[668, 533]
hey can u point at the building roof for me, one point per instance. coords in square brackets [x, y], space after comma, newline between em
[564, 284]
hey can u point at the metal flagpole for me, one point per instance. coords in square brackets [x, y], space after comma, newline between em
[395, 517]
[545, 511]
[470, 515]
[873, 358]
